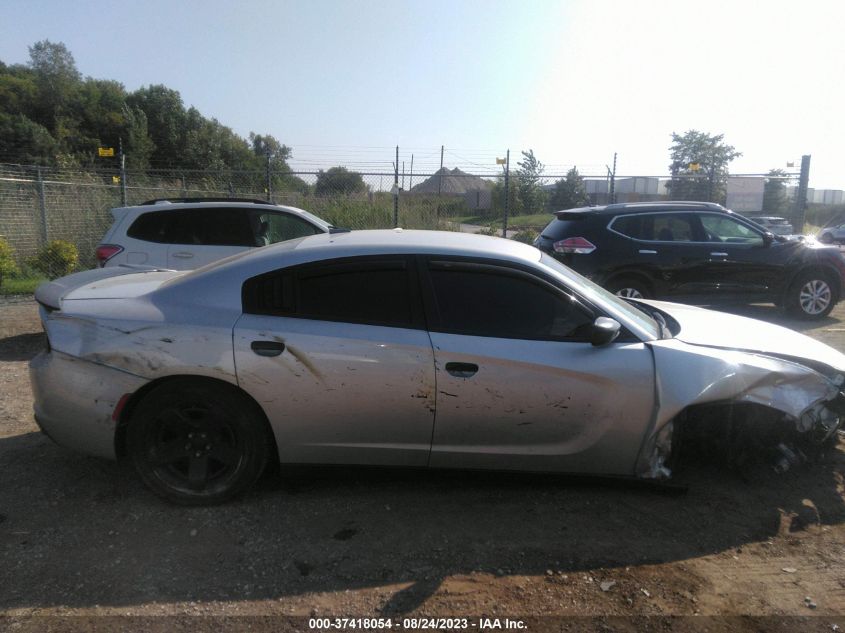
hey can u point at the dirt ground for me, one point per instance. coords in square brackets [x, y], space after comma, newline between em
[82, 537]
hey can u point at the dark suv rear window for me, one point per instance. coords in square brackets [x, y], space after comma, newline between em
[566, 225]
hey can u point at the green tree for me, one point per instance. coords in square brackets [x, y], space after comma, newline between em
[528, 181]
[775, 201]
[337, 180]
[24, 141]
[699, 166]
[515, 204]
[166, 122]
[569, 192]
[56, 78]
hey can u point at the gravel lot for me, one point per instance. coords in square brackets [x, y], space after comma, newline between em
[82, 537]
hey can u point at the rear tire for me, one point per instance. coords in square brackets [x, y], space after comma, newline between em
[629, 288]
[812, 295]
[194, 443]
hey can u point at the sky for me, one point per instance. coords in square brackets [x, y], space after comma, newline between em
[344, 82]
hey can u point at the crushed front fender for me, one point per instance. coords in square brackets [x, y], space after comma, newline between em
[690, 375]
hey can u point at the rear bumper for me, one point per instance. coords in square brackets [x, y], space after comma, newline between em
[74, 401]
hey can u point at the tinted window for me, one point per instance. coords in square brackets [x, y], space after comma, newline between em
[220, 227]
[150, 227]
[375, 292]
[209, 227]
[630, 225]
[497, 303]
[661, 227]
[724, 229]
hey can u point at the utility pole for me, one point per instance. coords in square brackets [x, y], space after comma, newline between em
[122, 172]
[403, 175]
[396, 190]
[801, 195]
[440, 182]
[411, 177]
[268, 184]
[507, 195]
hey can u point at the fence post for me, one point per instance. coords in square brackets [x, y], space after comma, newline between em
[42, 205]
[122, 176]
[396, 190]
[613, 181]
[269, 180]
[507, 194]
[801, 195]
[440, 181]
[184, 187]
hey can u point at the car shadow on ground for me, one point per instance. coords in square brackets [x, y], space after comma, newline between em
[77, 531]
[21, 346]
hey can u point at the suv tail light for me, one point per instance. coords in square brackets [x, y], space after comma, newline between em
[577, 245]
[106, 251]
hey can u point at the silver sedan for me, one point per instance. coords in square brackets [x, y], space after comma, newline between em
[407, 348]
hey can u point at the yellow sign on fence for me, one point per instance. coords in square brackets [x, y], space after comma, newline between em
[500, 161]
[115, 179]
[105, 152]
[694, 166]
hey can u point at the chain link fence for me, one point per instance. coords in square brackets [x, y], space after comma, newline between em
[51, 220]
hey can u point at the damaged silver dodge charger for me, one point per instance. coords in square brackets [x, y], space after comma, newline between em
[409, 348]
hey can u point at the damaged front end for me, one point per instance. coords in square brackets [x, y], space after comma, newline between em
[733, 407]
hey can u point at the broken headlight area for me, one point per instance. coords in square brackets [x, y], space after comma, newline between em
[737, 435]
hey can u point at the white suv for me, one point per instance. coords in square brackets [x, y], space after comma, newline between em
[187, 233]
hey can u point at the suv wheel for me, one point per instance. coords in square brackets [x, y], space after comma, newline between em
[629, 288]
[811, 296]
[826, 238]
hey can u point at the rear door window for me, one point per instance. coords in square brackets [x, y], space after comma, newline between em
[370, 291]
[658, 227]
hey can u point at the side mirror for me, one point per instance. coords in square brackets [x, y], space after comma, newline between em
[768, 238]
[604, 331]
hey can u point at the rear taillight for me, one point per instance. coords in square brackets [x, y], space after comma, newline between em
[577, 245]
[106, 251]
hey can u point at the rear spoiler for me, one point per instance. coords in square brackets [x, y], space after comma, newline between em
[51, 293]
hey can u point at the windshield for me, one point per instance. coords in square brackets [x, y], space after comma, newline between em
[599, 295]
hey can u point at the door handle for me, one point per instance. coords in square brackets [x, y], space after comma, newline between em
[267, 348]
[183, 255]
[718, 254]
[462, 370]
[645, 251]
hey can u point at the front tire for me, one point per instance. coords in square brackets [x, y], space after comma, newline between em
[811, 296]
[194, 443]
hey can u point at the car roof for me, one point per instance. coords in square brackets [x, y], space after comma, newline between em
[639, 207]
[212, 203]
[361, 243]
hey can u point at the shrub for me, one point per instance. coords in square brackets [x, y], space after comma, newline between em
[8, 267]
[526, 236]
[57, 259]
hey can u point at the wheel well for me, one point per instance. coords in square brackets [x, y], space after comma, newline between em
[830, 273]
[140, 394]
[631, 275]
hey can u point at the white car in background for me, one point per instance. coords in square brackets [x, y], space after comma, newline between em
[186, 233]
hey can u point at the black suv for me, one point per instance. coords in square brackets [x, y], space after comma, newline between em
[694, 252]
